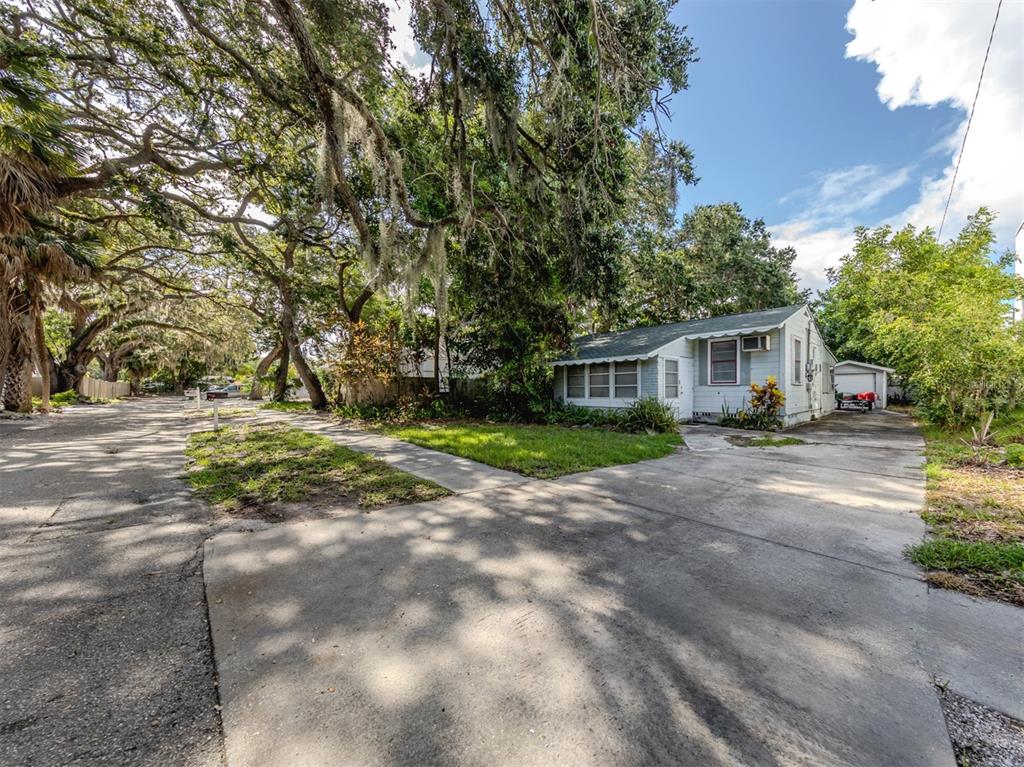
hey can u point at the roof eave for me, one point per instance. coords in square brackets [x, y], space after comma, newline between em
[599, 360]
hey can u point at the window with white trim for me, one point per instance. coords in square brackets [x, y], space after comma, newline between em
[575, 381]
[798, 363]
[724, 362]
[671, 379]
[626, 380]
[599, 380]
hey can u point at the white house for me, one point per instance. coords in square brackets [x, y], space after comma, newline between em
[858, 377]
[702, 366]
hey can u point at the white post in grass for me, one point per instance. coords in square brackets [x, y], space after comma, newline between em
[199, 402]
[216, 415]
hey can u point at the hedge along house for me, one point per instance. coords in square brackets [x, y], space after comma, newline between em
[703, 368]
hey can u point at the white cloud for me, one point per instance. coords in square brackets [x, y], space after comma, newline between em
[926, 54]
[824, 229]
[406, 52]
[839, 194]
[817, 249]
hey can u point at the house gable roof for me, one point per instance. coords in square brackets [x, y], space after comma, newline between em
[638, 343]
[865, 365]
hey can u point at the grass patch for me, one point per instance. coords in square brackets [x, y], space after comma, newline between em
[287, 407]
[772, 442]
[259, 468]
[60, 399]
[224, 412]
[538, 451]
[975, 507]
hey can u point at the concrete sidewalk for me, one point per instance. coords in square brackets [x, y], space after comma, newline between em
[460, 475]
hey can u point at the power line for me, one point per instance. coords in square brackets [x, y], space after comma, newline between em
[969, 119]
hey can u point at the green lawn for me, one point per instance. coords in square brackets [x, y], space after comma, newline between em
[259, 468]
[287, 407]
[975, 507]
[537, 451]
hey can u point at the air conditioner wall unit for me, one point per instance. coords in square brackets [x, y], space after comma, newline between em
[756, 343]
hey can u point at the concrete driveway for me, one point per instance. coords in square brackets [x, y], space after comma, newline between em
[732, 606]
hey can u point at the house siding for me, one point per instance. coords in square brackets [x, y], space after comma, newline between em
[709, 399]
[681, 349]
[806, 400]
[699, 400]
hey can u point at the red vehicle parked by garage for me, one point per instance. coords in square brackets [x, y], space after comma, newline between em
[861, 402]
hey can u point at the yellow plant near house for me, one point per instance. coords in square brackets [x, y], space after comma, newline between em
[768, 398]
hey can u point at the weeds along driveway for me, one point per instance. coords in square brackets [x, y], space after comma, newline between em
[739, 606]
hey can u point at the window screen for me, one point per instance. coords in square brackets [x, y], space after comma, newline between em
[671, 379]
[724, 362]
[625, 380]
[798, 363]
[576, 385]
[599, 380]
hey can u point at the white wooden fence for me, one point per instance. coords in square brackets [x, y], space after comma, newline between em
[91, 388]
[94, 389]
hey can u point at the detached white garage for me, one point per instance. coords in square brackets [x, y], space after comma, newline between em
[857, 377]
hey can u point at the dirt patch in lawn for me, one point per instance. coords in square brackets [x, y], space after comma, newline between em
[276, 473]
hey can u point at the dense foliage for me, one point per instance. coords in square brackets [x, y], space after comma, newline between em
[935, 312]
[263, 168]
[717, 261]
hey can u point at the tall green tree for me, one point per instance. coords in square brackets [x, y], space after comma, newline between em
[935, 312]
[717, 261]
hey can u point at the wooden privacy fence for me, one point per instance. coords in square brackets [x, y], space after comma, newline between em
[91, 388]
[94, 389]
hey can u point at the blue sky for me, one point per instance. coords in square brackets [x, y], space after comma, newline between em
[807, 137]
[774, 106]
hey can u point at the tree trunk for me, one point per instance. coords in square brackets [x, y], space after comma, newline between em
[111, 367]
[437, 357]
[70, 373]
[43, 357]
[17, 392]
[6, 328]
[310, 380]
[281, 381]
[256, 390]
[15, 385]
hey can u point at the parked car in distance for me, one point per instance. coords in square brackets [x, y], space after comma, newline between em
[223, 392]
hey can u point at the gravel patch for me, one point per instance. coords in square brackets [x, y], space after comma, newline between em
[981, 737]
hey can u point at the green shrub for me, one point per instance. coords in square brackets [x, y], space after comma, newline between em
[649, 414]
[405, 410]
[575, 415]
[60, 399]
[1015, 454]
[69, 397]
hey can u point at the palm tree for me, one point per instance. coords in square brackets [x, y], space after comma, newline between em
[34, 152]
